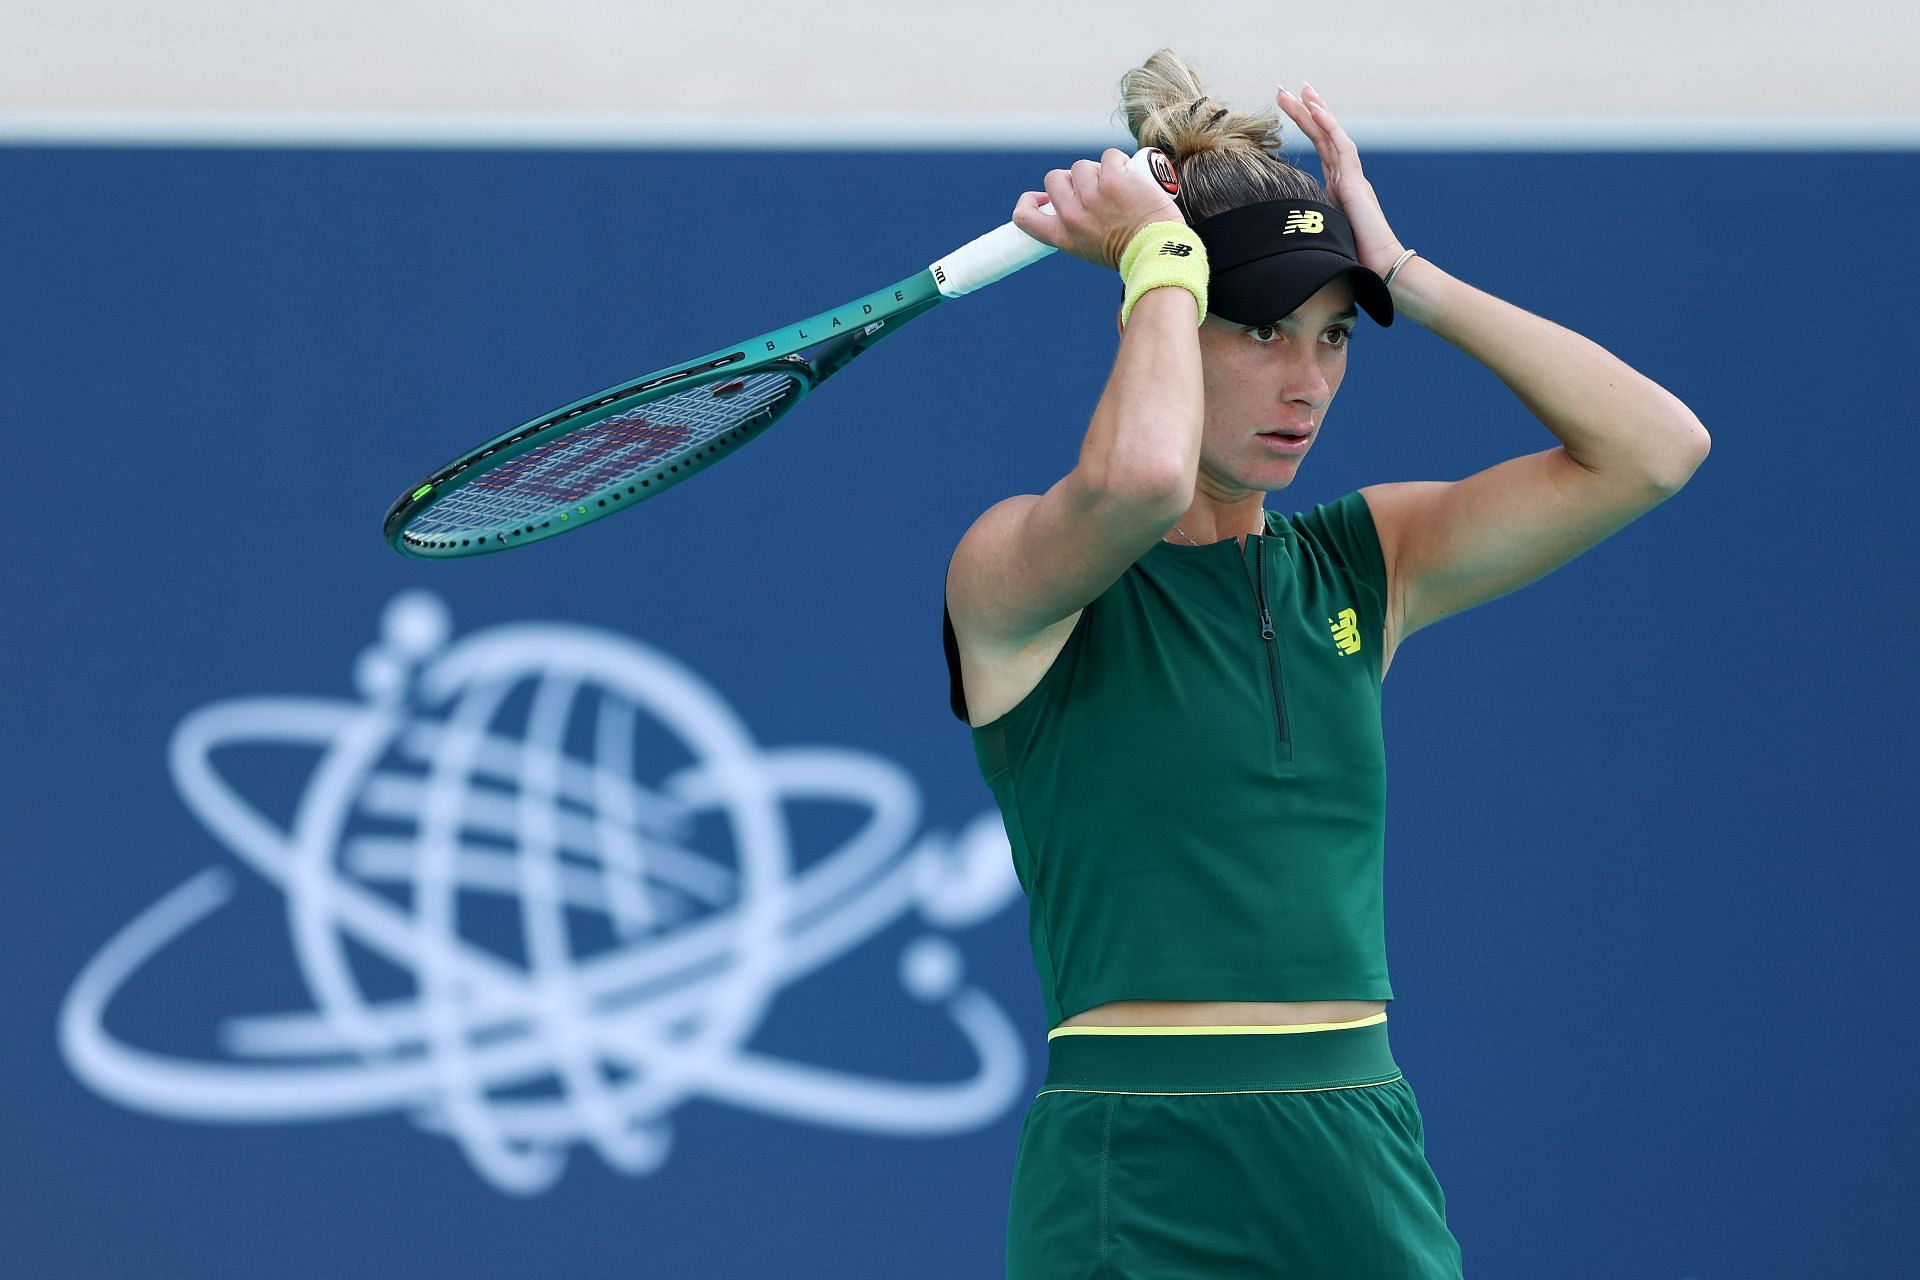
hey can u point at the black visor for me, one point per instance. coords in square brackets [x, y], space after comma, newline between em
[1265, 259]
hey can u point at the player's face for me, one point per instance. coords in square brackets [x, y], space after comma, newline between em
[1260, 378]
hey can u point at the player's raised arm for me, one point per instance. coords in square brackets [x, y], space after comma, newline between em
[1032, 560]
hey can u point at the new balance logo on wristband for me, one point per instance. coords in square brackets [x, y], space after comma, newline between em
[1175, 249]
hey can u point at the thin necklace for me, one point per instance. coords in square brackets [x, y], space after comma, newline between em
[1189, 537]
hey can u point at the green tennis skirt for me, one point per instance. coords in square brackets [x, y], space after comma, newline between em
[1218, 1152]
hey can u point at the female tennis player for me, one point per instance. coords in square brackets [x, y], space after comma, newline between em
[1174, 696]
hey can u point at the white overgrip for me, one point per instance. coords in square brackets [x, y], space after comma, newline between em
[1005, 249]
[984, 259]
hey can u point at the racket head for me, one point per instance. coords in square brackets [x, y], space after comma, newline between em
[633, 441]
[586, 460]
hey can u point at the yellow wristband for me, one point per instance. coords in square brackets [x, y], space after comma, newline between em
[1164, 253]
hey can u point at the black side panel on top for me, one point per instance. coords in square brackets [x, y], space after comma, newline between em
[956, 696]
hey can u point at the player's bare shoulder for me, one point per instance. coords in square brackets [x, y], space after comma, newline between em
[1028, 566]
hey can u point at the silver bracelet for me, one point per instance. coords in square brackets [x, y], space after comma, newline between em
[1398, 263]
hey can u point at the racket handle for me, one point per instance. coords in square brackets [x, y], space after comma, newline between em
[1005, 249]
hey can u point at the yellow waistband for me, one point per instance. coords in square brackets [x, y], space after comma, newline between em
[1217, 1031]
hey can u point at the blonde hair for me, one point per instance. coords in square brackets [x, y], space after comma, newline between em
[1225, 158]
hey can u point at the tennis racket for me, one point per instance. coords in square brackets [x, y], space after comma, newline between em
[630, 442]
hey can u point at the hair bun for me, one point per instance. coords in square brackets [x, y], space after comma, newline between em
[1238, 153]
[1161, 100]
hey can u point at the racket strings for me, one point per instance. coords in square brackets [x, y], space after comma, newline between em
[592, 460]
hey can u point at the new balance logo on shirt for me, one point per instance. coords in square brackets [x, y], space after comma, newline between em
[1346, 631]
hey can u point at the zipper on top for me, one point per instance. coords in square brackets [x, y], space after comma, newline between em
[1260, 596]
[1266, 634]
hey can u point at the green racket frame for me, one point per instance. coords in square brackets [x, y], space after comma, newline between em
[837, 335]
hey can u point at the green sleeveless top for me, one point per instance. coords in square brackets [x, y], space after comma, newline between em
[1195, 792]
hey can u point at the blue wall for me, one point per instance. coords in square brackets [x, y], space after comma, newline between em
[1648, 863]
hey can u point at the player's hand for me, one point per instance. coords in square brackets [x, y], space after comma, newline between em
[1373, 240]
[1098, 205]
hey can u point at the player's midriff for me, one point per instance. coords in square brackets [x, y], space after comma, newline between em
[1222, 1013]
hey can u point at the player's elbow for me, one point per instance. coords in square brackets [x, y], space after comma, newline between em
[1687, 460]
